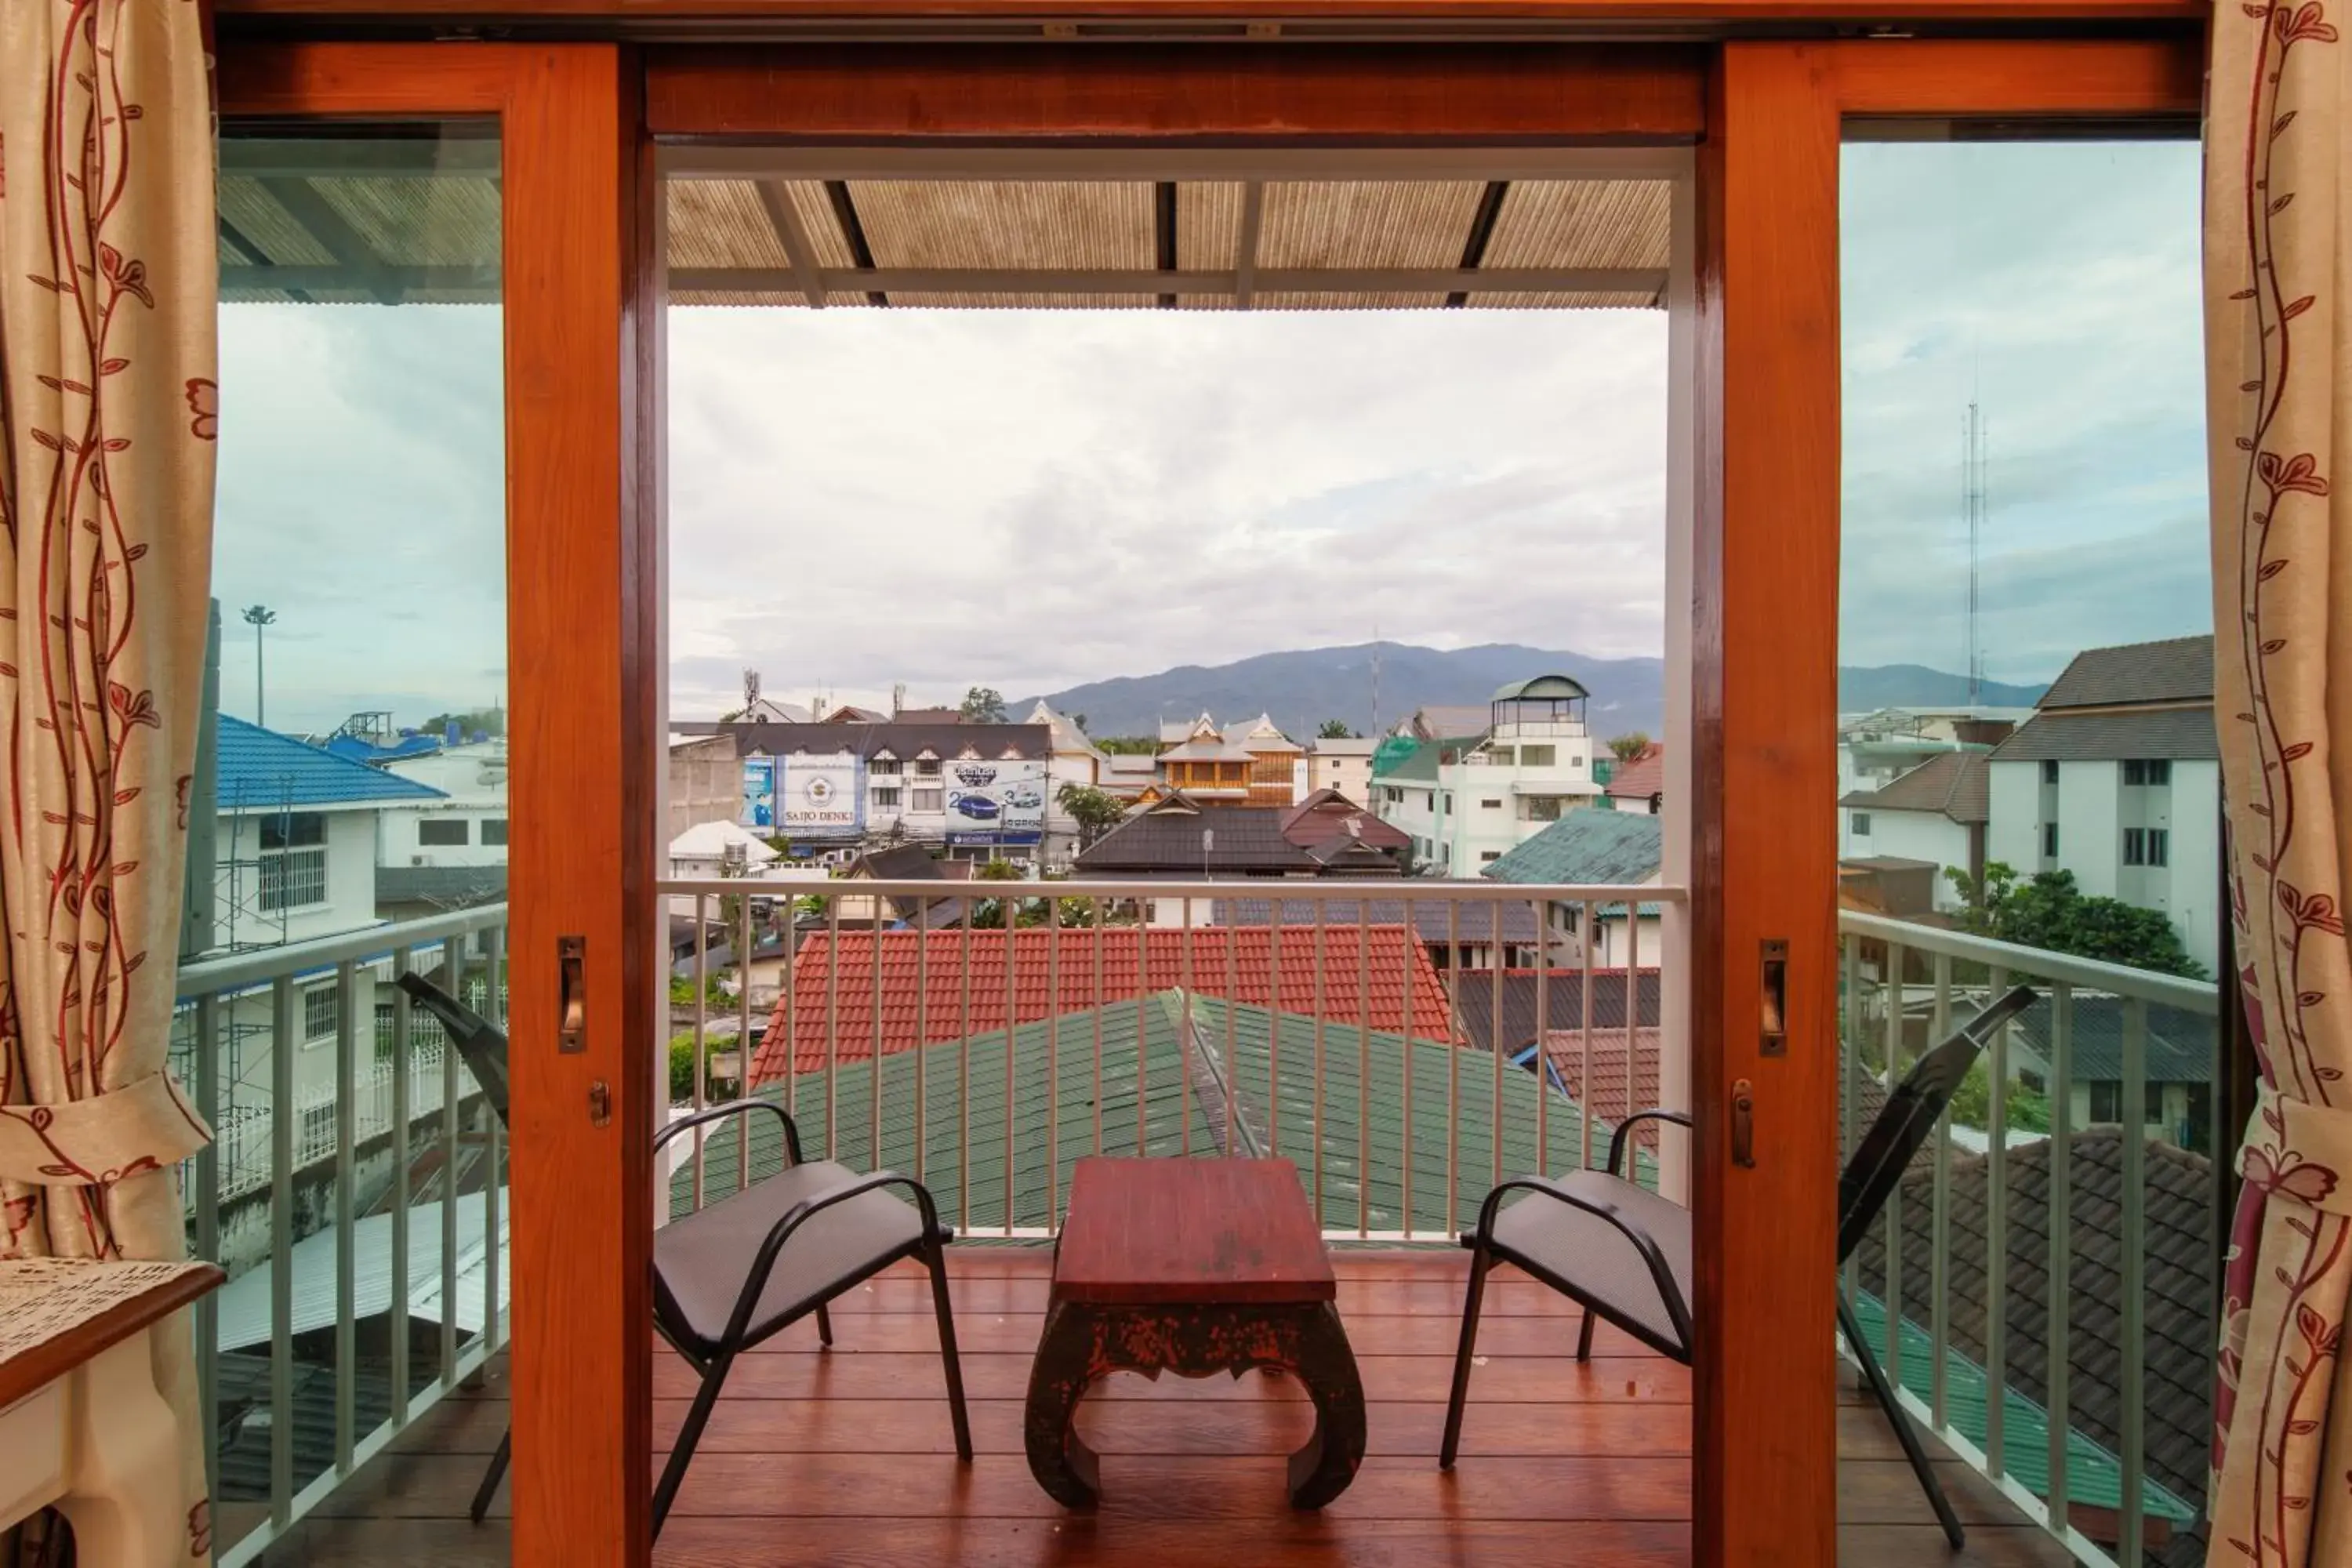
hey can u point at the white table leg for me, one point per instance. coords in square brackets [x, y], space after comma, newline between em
[122, 1492]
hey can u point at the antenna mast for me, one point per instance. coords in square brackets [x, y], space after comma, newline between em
[1973, 508]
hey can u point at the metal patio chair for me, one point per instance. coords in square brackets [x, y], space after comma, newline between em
[733, 1274]
[483, 1046]
[1623, 1253]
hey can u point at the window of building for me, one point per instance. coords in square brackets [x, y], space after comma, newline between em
[1488, 857]
[2159, 772]
[2050, 841]
[2050, 769]
[1446, 804]
[493, 832]
[1862, 825]
[883, 765]
[1490, 806]
[2106, 1101]
[440, 834]
[1504, 756]
[930, 800]
[322, 1012]
[2135, 846]
[2135, 771]
[2159, 847]
[886, 797]
[926, 767]
[293, 870]
[1538, 756]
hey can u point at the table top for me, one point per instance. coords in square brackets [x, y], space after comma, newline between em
[56, 1313]
[1181, 1231]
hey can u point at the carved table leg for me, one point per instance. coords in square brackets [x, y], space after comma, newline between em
[1325, 1365]
[1066, 1364]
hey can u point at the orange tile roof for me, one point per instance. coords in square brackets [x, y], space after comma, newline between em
[922, 987]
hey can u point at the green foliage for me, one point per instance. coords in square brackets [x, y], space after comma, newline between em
[1127, 746]
[780, 844]
[2027, 1111]
[2049, 911]
[1629, 745]
[681, 1073]
[681, 992]
[1095, 812]
[1336, 730]
[473, 721]
[983, 705]
[997, 871]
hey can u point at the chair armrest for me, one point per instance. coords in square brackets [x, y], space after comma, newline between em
[736, 1108]
[765, 1259]
[1661, 1274]
[1617, 1139]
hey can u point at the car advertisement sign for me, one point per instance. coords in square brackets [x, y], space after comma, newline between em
[819, 797]
[998, 803]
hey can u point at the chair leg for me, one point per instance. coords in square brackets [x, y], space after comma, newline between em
[681, 1453]
[823, 1326]
[1479, 1263]
[1584, 1337]
[490, 1479]
[937, 1259]
[1905, 1433]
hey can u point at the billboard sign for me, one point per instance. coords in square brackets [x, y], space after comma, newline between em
[819, 797]
[759, 812]
[996, 802]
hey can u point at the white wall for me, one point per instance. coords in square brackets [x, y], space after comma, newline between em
[2196, 860]
[350, 905]
[401, 841]
[2013, 836]
[2090, 829]
[1912, 835]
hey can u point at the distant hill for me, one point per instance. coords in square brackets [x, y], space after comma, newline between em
[1303, 686]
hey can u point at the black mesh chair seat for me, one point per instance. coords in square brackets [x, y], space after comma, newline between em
[699, 1260]
[1582, 1255]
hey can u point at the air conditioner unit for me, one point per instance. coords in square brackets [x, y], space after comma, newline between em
[420, 859]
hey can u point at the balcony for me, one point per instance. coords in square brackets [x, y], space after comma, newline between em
[922, 1035]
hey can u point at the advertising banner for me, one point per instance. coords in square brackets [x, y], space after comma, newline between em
[1000, 803]
[819, 797]
[759, 812]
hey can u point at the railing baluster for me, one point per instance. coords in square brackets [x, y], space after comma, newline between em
[346, 1176]
[874, 1160]
[1322, 932]
[922, 1035]
[283, 1043]
[1275, 1012]
[1142, 1025]
[2132, 1549]
[743, 1043]
[1997, 1242]
[1633, 1019]
[207, 1197]
[1584, 984]
[1454, 1069]
[1410, 937]
[494, 1004]
[832, 1028]
[1543, 1040]
[1232, 937]
[963, 1076]
[1850, 1080]
[1363, 1073]
[1493, 908]
[1010, 908]
[1052, 1062]
[1100, 908]
[1895, 954]
[1184, 1030]
[701, 1087]
[2060, 1213]
[1939, 1284]
[402, 1112]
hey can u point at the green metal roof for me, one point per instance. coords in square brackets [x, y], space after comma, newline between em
[2093, 1474]
[1271, 1060]
[1421, 766]
[1587, 846]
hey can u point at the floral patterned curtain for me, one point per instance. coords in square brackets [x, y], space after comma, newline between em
[106, 305]
[2278, 256]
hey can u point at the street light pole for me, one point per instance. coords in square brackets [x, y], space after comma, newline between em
[257, 616]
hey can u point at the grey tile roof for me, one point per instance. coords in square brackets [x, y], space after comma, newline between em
[2183, 1047]
[1588, 846]
[2178, 669]
[1562, 994]
[1245, 838]
[1472, 922]
[2184, 735]
[1951, 783]
[903, 740]
[448, 886]
[2182, 1331]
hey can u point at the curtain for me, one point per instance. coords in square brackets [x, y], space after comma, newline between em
[2279, 379]
[107, 390]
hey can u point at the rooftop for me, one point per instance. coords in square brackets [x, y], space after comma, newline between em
[1955, 785]
[2178, 670]
[261, 770]
[1587, 847]
[1644, 776]
[1539, 687]
[2177, 734]
[1561, 994]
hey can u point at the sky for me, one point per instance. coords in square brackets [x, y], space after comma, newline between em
[1028, 501]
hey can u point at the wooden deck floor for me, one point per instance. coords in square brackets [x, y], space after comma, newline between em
[846, 1457]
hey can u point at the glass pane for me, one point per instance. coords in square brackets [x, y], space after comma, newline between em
[2029, 778]
[341, 830]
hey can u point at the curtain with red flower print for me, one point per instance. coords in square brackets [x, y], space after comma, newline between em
[2278, 257]
[107, 367]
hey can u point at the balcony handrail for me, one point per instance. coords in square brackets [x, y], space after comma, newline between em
[2199, 996]
[1303, 890]
[237, 971]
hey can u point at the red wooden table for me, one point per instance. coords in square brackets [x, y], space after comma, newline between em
[1194, 1266]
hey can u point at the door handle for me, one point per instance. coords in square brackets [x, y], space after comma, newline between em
[1743, 1124]
[1773, 1026]
[570, 994]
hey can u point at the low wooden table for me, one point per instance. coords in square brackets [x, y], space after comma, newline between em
[81, 1422]
[1194, 1266]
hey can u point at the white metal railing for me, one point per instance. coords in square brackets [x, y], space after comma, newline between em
[1141, 1022]
[341, 1159]
[1904, 987]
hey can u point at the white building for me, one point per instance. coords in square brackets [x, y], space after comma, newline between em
[1343, 763]
[2116, 778]
[467, 826]
[1934, 813]
[1468, 800]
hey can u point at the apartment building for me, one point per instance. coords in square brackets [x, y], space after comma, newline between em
[1467, 800]
[2116, 778]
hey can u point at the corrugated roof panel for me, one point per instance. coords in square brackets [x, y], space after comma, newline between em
[1208, 227]
[420, 221]
[1583, 223]
[1006, 223]
[1365, 222]
[811, 204]
[720, 223]
[246, 205]
[1026, 301]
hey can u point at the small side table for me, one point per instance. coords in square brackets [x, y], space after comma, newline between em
[1194, 1266]
[80, 1419]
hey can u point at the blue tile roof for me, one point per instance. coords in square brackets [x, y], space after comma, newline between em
[260, 767]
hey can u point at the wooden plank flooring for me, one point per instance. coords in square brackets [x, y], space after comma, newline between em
[845, 1457]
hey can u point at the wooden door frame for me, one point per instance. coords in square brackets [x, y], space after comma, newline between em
[1767, 578]
[582, 668]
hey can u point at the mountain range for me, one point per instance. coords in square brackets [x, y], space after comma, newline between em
[1301, 688]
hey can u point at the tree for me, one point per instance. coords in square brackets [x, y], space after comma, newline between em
[2023, 1110]
[2050, 912]
[1127, 746]
[1095, 812]
[983, 705]
[1336, 730]
[473, 721]
[1080, 720]
[1629, 745]
[997, 871]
